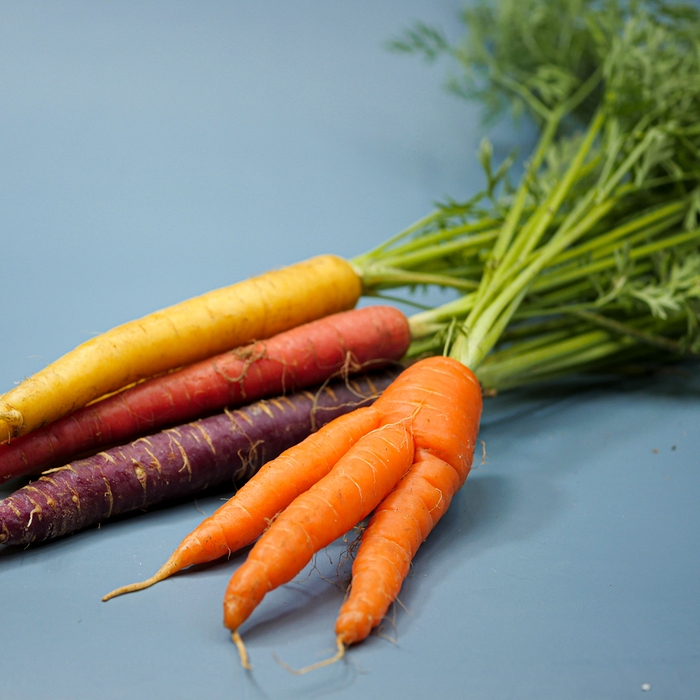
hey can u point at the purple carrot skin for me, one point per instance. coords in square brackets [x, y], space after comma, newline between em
[302, 357]
[177, 462]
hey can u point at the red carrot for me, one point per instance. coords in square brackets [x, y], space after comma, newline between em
[177, 462]
[305, 356]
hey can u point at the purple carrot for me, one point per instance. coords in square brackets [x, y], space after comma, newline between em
[181, 461]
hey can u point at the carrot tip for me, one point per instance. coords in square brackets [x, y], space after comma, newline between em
[326, 662]
[133, 587]
[166, 570]
[127, 589]
[242, 651]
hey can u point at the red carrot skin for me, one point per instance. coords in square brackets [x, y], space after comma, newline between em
[174, 463]
[305, 356]
[353, 488]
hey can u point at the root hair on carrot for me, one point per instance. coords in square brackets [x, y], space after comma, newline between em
[242, 651]
[382, 635]
[319, 664]
[483, 455]
[348, 554]
[398, 601]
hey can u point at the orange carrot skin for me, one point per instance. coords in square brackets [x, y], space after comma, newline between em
[405, 518]
[353, 488]
[242, 519]
[302, 357]
[398, 527]
[441, 399]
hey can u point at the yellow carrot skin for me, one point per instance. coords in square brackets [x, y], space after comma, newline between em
[255, 309]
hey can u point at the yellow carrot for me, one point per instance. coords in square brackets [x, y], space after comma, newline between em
[179, 335]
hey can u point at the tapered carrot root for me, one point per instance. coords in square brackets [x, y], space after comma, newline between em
[180, 335]
[399, 526]
[242, 519]
[304, 356]
[353, 488]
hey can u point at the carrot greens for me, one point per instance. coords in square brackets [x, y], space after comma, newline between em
[601, 233]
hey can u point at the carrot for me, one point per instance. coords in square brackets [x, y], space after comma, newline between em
[398, 527]
[180, 335]
[304, 356]
[326, 484]
[445, 428]
[418, 414]
[352, 489]
[179, 462]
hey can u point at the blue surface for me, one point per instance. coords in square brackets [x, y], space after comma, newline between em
[152, 151]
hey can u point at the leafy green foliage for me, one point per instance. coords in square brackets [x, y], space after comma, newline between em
[602, 231]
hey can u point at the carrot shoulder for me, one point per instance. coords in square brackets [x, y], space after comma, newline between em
[180, 335]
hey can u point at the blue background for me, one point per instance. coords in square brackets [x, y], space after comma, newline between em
[152, 151]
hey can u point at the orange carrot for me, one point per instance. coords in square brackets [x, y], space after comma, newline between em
[426, 421]
[243, 518]
[398, 527]
[445, 429]
[434, 407]
[353, 488]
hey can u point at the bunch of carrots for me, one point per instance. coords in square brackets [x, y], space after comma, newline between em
[590, 263]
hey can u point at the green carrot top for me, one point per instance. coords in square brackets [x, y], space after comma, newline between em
[594, 256]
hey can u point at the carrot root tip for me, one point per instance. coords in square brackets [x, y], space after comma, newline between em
[242, 651]
[159, 576]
